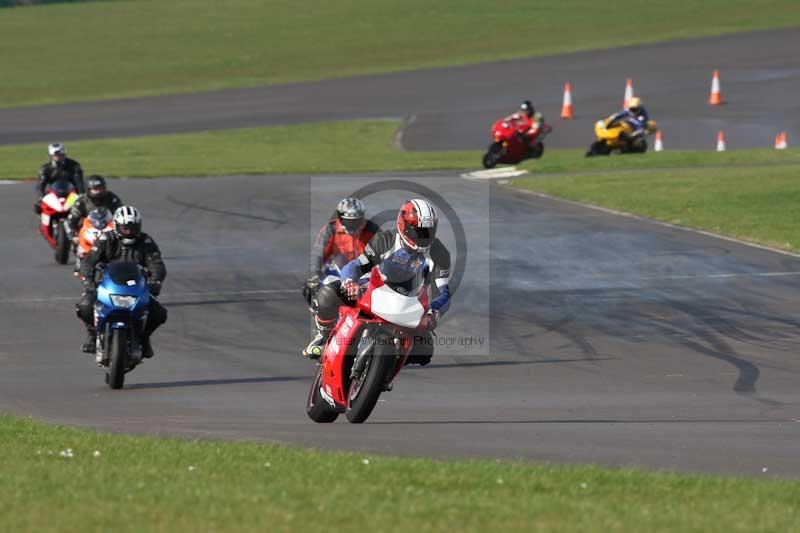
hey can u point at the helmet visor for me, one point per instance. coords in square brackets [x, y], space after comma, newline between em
[352, 225]
[129, 231]
[422, 237]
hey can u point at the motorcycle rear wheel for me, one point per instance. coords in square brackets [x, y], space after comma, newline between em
[637, 146]
[118, 358]
[317, 408]
[364, 392]
[62, 244]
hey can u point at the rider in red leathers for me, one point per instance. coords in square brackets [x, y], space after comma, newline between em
[528, 122]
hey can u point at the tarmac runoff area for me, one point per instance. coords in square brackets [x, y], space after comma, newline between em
[605, 339]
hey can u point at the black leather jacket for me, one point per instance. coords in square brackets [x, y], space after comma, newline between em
[71, 170]
[109, 247]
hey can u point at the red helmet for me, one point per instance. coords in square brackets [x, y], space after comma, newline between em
[416, 224]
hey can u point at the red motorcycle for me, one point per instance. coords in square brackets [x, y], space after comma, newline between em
[55, 205]
[371, 340]
[509, 146]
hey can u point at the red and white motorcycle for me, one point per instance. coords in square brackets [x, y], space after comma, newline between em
[55, 205]
[372, 339]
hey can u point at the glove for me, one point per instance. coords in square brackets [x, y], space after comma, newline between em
[310, 288]
[154, 287]
[350, 289]
[432, 319]
[37, 208]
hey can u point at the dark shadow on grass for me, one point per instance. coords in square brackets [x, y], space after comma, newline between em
[211, 382]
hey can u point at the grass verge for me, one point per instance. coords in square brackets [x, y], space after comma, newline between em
[753, 195]
[144, 47]
[147, 484]
[350, 146]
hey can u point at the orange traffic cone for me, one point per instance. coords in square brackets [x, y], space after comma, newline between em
[566, 107]
[628, 93]
[721, 141]
[716, 95]
[780, 141]
[659, 146]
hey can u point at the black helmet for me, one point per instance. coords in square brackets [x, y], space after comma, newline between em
[527, 108]
[96, 187]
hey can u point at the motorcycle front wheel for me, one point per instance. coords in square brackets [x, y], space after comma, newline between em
[598, 148]
[537, 150]
[493, 155]
[317, 408]
[118, 358]
[62, 244]
[365, 390]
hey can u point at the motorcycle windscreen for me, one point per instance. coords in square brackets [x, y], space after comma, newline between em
[397, 300]
[99, 218]
[61, 188]
[124, 273]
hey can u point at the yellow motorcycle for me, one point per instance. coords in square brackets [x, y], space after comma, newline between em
[623, 134]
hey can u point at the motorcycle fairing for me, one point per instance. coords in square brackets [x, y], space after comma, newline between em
[402, 310]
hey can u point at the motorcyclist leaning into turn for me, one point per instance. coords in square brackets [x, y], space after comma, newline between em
[127, 243]
[415, 231]
[345, 235]
[97, 195]
[635, 114]
[529, 122]
[60, 167]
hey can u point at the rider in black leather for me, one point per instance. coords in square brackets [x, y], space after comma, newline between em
[127, 243]
[60, 167]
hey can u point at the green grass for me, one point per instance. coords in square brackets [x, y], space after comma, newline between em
[753, 196]
[148, 484]
[97, 50]
[352, 146]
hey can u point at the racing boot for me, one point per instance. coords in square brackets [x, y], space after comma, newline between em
[317, 344]
[147, 348]
[90, 344]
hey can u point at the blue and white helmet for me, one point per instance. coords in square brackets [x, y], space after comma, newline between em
[127, 223]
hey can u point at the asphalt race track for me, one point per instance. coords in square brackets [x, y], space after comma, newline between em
[598, 338]
[453, 108]
[608, 339]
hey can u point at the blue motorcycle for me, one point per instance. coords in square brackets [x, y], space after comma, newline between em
[120, 313]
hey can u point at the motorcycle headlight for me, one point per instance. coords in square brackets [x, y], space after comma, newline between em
[125, 302]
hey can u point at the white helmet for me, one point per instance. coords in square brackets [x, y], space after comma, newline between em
[127, 223]
[56, 148]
